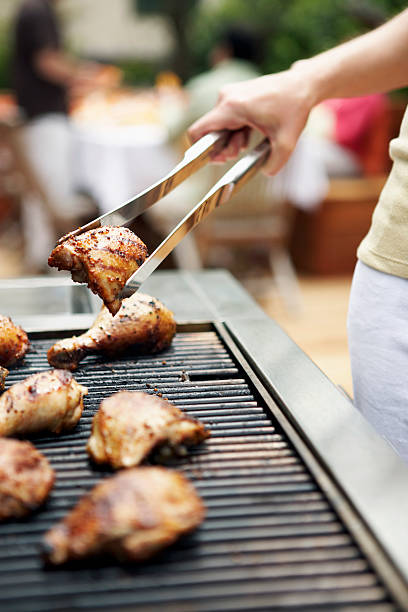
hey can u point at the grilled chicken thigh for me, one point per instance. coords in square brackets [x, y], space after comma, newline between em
[26, 478]
[13, 342]
[142, 322]
[103, 258]
[51, 401]
[129, 425]
[131, 516]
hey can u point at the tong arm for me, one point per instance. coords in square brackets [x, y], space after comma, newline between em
[229, 183]
[194, 158]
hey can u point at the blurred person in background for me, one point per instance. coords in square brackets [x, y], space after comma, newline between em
[233, 58]
[278, 105]
[350, 135]
[43, 79]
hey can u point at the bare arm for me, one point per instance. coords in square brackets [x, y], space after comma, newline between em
[54, 66]
[377, 61]
[57, 67]
[278, 105]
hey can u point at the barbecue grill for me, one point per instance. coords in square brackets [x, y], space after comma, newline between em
[307, 506]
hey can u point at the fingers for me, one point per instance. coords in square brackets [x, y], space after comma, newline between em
[237, 142]
[215, 120]
[281, 150]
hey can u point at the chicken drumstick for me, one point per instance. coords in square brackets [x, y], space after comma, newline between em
[142, 322]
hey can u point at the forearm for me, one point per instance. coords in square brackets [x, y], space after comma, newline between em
[55, 67]
[59, 68]
[374, 62]
[278, 105]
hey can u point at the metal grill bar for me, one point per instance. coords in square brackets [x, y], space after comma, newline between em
[271, 539]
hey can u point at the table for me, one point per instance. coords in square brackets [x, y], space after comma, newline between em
[114, 163]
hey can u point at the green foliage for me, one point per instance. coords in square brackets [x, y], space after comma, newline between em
[138, 73]
[289, 29]
[5, 57]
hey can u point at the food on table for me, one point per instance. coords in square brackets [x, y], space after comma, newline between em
[130, 424]
[3, 375]
[46, 401]
[131, 516]
[13, 342]
[119, 108]
[26, 478]
[104, 258]
[142, 322]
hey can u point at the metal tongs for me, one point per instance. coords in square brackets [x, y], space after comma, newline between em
[194, 158]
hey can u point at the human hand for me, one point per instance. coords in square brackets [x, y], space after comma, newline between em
[89, 77]
[276, 105]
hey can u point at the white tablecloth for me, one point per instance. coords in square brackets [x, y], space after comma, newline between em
[114, 163]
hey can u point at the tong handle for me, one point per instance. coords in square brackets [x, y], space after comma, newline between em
[243, 170]
[229, 183]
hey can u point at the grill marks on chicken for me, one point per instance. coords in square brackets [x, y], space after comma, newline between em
[51, 401]
[142, 322]
[26, 478]
[131, 516]
[103, 258]
[14, 342]
[129, 425]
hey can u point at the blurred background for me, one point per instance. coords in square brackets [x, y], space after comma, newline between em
[145, 69]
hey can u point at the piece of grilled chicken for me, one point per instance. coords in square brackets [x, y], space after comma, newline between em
[26, 478]
[130, 424]
[142, 322]
[131, 516]
[103, 258]
[13, 342]
[46, 401]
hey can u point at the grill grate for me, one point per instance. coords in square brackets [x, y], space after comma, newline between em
[271, 539]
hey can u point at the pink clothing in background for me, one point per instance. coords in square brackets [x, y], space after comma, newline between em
[355, 118]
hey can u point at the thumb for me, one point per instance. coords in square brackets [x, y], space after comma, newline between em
[281, 149]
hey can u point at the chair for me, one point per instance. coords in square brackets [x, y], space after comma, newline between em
[257, 217]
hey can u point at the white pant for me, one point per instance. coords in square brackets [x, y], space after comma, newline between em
[47, 144]
[378, 343]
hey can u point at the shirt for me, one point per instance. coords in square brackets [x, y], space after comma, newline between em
[385, 247]
[36, 29]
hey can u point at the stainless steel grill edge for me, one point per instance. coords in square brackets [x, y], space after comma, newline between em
[290, 526]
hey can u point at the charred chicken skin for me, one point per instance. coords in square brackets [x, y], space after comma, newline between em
[104, 258]
[129, 425]
[26, 478]
[13, 342]
[142, 322]
[131, 516]
[47, 401]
